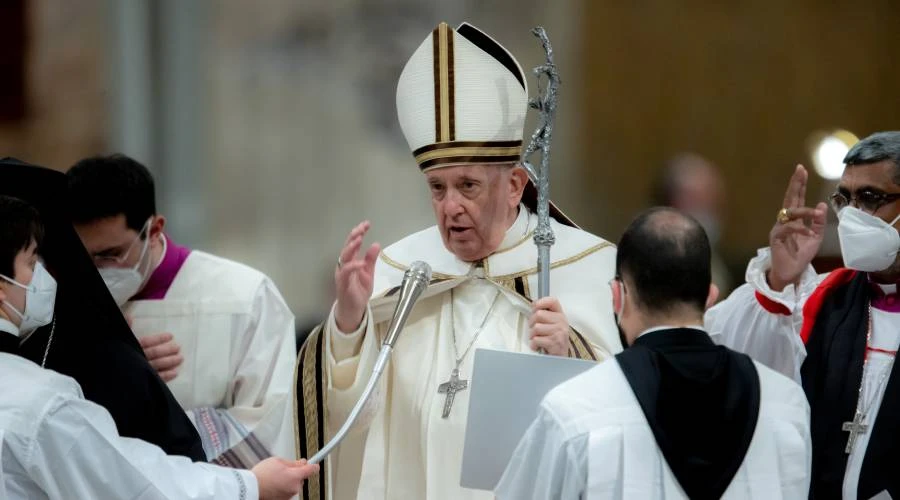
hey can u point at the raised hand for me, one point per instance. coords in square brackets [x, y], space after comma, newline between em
[353, 279]
[794, 244]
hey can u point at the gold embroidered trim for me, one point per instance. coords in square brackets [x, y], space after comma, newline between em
[393, 263]
[310, 411]
[509, 285]
[596, 248]
[578, 346]
[583, 349]
[467, 151]
[559, 263]
[525, 238]
[445, 50]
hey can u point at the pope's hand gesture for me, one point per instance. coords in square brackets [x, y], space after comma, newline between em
[353, 279]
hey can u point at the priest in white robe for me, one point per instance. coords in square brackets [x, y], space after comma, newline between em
[461, 102]
[218, 331]
[674, 416]
[838, 333]
[54, 444]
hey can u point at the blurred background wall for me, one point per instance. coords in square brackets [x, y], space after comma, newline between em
[271, 125]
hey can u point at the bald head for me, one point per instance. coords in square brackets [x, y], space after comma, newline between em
[664, 256]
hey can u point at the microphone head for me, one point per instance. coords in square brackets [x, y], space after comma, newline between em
[418, 271]
[415, 280]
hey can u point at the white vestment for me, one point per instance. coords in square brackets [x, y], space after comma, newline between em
[741, 323]
[402, 447]
[591, 440]
[238, 341]
[54, 444]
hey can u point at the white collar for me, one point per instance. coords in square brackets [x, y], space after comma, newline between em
[517, 231]
[8, 327]
[670, 327]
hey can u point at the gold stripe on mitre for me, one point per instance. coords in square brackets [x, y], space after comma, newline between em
[444, 98]
[471, 152]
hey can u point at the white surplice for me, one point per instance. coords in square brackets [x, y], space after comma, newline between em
[54, 444]
[238, 341]
[402, 447]
[741, 323]
[586, 446]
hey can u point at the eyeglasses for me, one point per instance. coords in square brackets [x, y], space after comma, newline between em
[867, 200]
[117, 260]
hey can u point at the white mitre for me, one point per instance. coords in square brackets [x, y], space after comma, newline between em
[462, 100]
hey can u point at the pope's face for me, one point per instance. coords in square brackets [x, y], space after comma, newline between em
[474, 205]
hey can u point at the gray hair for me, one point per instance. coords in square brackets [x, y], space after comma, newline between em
[878, 147]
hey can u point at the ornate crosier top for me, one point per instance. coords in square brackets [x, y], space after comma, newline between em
[545, 103]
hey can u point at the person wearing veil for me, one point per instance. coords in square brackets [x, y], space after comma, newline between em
[88, 339]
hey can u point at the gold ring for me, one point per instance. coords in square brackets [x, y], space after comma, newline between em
[784, 216]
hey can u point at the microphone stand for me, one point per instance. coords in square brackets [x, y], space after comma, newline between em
[383, 356]
[415, 280]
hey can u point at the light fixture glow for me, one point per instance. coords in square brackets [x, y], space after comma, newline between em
[829, 150]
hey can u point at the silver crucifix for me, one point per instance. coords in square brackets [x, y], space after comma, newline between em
[451, 387]
[855, 428]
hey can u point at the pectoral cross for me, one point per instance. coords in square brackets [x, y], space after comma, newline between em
[855, 428]
[451, 387]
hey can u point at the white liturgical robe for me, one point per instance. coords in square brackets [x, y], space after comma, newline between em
[238, 341]
[591, 440]
[54, 444]
[402, 446]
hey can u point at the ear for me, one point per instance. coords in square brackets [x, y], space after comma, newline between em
[157, 226]
[518, 179]
[713, 295]
[615, 286]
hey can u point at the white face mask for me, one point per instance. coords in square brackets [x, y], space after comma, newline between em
[868, 243]
[40, 298]
[125, 283]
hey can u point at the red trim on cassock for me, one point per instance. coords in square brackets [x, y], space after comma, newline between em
[772, 306]
[835, 279]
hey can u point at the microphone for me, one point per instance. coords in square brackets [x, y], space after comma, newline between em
[415, 280]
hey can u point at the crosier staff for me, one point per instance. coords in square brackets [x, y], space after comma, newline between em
[545, 103]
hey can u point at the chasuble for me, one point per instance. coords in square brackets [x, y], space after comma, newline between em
[403, 446]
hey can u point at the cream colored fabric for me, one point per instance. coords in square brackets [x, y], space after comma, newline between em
[402, 447]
